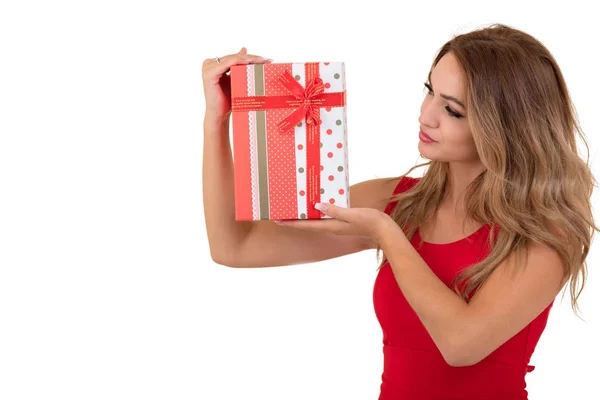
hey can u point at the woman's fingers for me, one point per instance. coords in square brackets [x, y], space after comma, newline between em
[212, 68]
[217, 84]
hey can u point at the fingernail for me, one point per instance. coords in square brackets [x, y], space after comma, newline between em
[321, 207]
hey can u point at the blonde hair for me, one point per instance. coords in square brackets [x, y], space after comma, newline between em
[535, 186]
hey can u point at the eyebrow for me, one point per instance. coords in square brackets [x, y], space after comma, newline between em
[445, 96]
[454, 99]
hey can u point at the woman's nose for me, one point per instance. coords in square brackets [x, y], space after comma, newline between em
[429, 115]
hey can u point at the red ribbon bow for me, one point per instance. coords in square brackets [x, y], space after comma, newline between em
[306, 101]
[310, 100]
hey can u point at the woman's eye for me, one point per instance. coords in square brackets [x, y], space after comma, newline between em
[449, 110]
[428, 87]
[452, 113]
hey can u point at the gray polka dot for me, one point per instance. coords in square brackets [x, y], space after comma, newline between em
[299, 124]
[340, 168]
[336, 76]
[301, 170]
[303, 216]
[297, 77]
[338, 122]
[322, 191]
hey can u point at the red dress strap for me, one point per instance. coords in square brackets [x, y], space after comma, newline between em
[404, 184]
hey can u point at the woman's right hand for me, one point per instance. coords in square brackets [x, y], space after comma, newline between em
[217, 84]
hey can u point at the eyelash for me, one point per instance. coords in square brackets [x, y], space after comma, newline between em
[449, 110]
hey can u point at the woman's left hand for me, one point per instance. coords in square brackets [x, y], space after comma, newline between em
[365, 222]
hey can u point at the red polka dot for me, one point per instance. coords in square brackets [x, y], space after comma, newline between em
[332, 201]
[326, 63]
[328, 85]
[327, 108]
[302, 193]
[322, 168]
[341, 191]
[300, 147]
[329, 131]
[330, 155]
[339, 145]
[331, 177]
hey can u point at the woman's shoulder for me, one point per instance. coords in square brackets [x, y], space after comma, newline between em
[377, 193]
[404, 183]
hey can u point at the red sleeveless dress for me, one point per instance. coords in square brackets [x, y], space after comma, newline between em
[414, 368]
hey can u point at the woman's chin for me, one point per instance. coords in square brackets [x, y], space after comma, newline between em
[425, 151]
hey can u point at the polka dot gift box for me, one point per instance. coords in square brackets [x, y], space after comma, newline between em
[289, 139]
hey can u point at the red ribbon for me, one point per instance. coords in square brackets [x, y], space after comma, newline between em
[306, 101]
[310, 98]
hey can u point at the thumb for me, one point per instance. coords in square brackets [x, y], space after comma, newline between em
[325, 208]
[243, 50]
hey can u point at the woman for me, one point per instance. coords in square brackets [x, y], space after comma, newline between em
[476, 250]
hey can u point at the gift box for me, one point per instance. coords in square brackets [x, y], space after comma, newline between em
[289, 139]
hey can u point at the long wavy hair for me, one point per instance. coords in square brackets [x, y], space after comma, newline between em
[535, 186]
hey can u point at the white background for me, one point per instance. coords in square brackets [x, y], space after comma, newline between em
[107, 289]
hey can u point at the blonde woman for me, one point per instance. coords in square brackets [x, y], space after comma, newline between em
[476, 250]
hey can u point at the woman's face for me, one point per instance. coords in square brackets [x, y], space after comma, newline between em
[443, 116]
